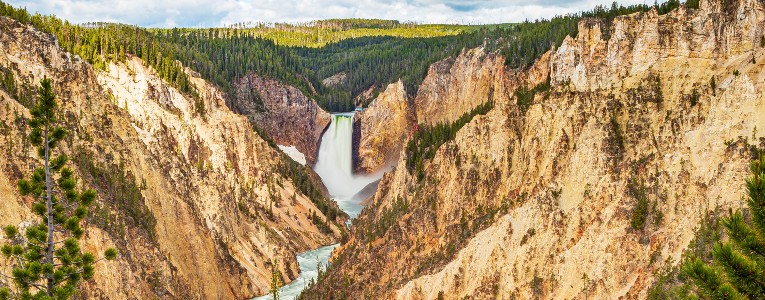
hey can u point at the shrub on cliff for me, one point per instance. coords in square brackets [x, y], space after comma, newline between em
[640, 212]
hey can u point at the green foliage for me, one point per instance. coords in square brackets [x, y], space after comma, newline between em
[318, 34]
[320, 223]
[616, 141]
[738, 271]
[426, 141]
[299, 176]
[8, 82]
[695, 98]
[640, 211]
[101, 43]
[709, 281]
[692, 4]
[47, 260]
[736, 73]
[22, 93]
[110, 254]
[390, 215]
[123, 205]
[375, 62]
[276, 280]
[525, 97]
[373, 53]
[668, 6]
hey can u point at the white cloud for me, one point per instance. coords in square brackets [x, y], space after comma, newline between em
[206, 13]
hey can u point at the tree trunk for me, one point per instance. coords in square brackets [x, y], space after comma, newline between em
[49, 205]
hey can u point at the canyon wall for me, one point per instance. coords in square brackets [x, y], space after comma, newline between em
[191, 196]
[456, 85]
[283, 112]
[536, 202]
[383, 128]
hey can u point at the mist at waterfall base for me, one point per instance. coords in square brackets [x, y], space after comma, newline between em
[335, 167]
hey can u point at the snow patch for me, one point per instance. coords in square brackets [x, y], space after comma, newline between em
[293, 153]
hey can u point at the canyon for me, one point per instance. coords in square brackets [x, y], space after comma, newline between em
[531, 199]
[210, 208]
[534, 201]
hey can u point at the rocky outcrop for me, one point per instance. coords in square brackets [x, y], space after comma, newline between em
[454, 86]
[188, 192]
[334, 80]
[283, 112]
[537, 203]
[382, 128]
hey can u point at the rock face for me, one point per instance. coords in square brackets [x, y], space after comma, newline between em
[191, 197]
[454, 86]
[335, 80]
[382, 128]
[537, 203]
[283, 112]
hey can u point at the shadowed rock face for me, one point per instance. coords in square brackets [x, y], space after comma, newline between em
[221, 209]
[283, 112]
[525, 204]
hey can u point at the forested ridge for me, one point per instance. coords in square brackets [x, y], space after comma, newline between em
[320, 33]
[390, 51]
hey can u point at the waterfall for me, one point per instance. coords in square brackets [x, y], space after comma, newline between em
[335, 164]
[335, 150]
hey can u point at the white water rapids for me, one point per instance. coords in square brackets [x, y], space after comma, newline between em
[335, 167]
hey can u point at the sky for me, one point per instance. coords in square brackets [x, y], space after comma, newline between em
[216, 13]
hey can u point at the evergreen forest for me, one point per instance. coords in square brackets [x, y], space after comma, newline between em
[371, 53]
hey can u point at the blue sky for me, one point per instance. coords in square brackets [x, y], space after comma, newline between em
[208, 13]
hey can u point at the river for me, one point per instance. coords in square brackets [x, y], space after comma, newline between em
[335, 167]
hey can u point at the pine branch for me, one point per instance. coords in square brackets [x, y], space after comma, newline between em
[24, 281]
[744, 237]
[70, 205]
[742, 272]
[98, 260]
[39, 241]
[20, 263]
[36, 285]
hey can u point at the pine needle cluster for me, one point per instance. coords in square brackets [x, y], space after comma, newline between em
[738, 268]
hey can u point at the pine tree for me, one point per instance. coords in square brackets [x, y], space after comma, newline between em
[738, 271]
[276, 280]
[47, 260]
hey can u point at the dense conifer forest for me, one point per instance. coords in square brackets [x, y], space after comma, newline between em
[372, 53]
